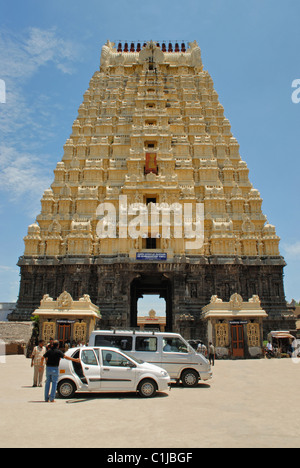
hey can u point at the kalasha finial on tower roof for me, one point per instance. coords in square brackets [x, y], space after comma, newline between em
[165, 46]
[179, 53]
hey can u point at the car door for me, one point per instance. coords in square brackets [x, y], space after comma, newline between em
[118, 373]
[91, 368]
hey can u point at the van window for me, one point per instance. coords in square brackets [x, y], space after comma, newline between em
[113, 359]
[146, 343]
[115, 341]
[174, 345]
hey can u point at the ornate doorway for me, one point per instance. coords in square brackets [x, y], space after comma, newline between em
[237, 340]
[64, 334]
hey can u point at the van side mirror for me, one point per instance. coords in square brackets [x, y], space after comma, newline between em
[131, 365]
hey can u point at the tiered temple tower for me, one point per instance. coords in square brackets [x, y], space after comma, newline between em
[151, 128]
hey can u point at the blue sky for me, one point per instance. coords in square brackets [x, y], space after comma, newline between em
[147, 303]
[50, 50]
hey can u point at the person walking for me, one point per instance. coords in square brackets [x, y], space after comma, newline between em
[53, 357]
[211, 354]
[36, 360]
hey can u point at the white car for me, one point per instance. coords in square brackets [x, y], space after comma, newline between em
[105, 369]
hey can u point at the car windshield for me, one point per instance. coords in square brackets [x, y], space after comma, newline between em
[138, 361]
[176, 345]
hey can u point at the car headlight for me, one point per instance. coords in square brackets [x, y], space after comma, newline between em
[164, 373]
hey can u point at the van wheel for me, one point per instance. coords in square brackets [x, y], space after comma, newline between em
[190, 378]
[66, 389]
[147, 388]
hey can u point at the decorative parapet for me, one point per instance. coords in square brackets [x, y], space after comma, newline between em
[151, 52]
[236, 308]
[65, 304]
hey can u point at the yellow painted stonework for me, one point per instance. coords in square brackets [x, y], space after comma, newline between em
[151, 102]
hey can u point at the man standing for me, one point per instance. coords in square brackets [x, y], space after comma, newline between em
[36, 360]
[53, 357]
[211, 353]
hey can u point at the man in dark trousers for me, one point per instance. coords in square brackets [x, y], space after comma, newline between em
[211, 354]
[53, 357]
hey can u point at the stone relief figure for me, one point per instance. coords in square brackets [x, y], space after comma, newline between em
[248, 225]
[137, 243]
[108, 290]
[151, 53]
[106, 52]
[194, 290]
[255, 299]
[46, 298]
[85, 298]
[236, 301]
[215, 299]
[195, 54]
[65, 301]
[55, 227]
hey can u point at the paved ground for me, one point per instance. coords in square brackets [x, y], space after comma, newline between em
[247, 404]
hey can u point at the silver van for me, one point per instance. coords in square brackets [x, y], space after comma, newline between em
[167, 350]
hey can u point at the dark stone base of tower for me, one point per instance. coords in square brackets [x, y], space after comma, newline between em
[116, 283]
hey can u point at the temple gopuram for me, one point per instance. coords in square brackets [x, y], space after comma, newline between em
[152, 133]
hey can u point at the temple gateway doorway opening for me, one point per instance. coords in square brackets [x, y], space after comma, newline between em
[152, 313]
[155, 294]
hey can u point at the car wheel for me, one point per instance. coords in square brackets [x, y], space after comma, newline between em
[66, 389]
[147, 388]
[190, 378]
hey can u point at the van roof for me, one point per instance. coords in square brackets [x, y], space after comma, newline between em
[133, 332]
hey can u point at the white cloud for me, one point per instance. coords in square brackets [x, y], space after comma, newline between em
[23, 175]
[21, 57]
[5, 268]
[292, 250]
[23, 54]
[27, 120]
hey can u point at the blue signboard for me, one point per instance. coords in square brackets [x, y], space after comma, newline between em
[151, 256]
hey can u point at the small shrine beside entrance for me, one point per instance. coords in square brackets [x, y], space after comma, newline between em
[68, 321]
[235, 327]
[152, 321]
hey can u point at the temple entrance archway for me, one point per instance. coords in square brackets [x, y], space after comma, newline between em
[151, 285]
[152, 312]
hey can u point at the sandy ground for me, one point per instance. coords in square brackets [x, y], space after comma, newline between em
[247, 404]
